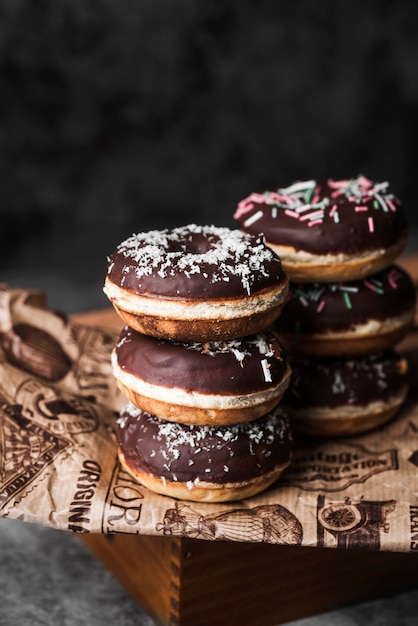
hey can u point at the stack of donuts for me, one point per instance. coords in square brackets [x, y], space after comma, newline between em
[201, 370]
[349, 303]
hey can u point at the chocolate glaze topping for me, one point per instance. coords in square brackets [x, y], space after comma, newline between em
[195, 262]
[190, 454]
[319, 307]
[326, 217]
[337, 382]
[239, 366]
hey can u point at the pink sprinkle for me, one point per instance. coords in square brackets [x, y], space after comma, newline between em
[291, 213]
[391, 205]
[316, 196]
[337, 184]
[246, 205]
[361, 208]
[333, 209]
[364, 182]
[315, 222]
[311, 216]
[370, 285]
[371, 224]
[280, 197]
[320, 306]
[394, 275]
[243, 207]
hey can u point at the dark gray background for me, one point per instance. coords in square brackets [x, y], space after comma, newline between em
[117, 117]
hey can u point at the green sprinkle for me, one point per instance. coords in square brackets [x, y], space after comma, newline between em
[376, 205]
[347, 300]
[307, 196]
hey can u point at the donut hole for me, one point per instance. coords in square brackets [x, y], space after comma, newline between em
[196, 243]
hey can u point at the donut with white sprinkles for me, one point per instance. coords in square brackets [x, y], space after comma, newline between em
[203, 463]
[211, 383]
[196, 283]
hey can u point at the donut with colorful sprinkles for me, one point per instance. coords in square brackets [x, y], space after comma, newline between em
[327, 231]
[344, 397]
[196, 283]
[348, 318]
[203, 463]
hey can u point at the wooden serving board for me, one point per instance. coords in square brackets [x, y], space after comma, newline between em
[191, 582]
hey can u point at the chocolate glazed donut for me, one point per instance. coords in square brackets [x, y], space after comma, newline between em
[350, 318]
[328, 230]
[196, 283]
[220, 382]
[204, 463]
[336, 397]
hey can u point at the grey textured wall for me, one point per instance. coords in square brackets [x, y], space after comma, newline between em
[122, 116]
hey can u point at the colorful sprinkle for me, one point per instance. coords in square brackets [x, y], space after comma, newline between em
[279, 198]
[246, 205]
[316, 292]
[303, 208]
[394, 275]
[320, 306]
[350, 288]
[391, 205]
[338, 184]
[315, 196]
[301, 297]
[313, 216]
[364, 182]
[307, 196]
[373, 287]
[347, 300]
[381, 202]
[300, 186]
[253, 218]
[291, 213]
[304, 198]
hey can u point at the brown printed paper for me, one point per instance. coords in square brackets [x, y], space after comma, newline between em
[59, 467]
